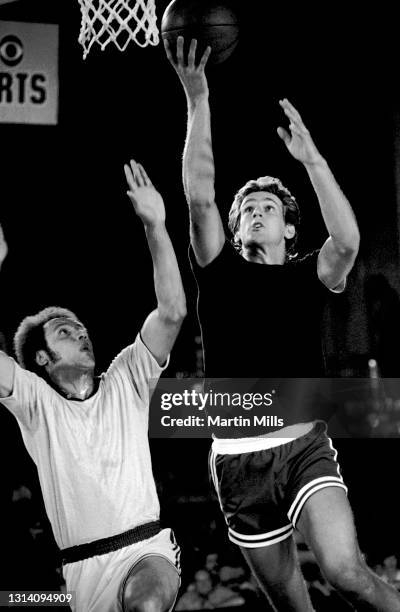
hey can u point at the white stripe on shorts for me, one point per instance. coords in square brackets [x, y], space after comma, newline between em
[261, 539]
[237, 446]
[310, 488]
[213, 470]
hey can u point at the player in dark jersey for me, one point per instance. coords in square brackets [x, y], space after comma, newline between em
[260, 314]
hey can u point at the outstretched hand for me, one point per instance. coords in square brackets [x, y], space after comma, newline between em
[3, 246]
[298, 142]
[146, 200]
[192, 75]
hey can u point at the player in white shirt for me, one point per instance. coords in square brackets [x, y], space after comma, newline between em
[89, 436]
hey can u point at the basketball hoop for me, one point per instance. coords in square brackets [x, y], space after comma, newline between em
[117, 21]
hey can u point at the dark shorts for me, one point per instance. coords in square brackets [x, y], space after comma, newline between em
[262, 493]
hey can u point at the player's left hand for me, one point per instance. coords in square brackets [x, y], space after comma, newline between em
[146, 200]
[3, 246]
[298, 142]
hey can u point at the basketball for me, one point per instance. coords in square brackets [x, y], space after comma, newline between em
[212, 23]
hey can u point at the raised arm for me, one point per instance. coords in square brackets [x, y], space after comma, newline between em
[6, 364]
[206, 229]
[3, 247]
[338, 253]
[161, 327]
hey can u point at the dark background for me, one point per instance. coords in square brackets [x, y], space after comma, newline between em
[75, 241]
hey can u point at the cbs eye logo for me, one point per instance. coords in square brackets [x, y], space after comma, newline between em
[11, 50]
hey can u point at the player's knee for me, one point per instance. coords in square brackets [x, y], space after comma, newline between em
[150, 603]
[348, 575]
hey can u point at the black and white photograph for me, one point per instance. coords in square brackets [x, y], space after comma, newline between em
[200, 306]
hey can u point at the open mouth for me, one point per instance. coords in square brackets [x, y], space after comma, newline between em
[257, 226]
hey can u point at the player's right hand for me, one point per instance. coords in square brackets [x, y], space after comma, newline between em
[3, 246]
[147, 202]
[192, 75]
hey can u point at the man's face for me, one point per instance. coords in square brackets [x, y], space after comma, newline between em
[203, 582]
[390, 562]
[211, 561]
[262, 221]
[69, 342]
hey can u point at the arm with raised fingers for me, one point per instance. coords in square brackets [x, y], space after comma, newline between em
[206, 229]
[338, 253]
[161, 327]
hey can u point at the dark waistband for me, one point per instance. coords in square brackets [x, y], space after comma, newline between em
[106, 545]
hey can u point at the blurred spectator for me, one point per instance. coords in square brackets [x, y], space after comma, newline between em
[21, 491]
[383, 307]
[391, 571]
[196, 595]
[28, 531]
[379, 571]
[203, 594]
[241, 581]
[226, 591]
[212, 564]
[232, 576]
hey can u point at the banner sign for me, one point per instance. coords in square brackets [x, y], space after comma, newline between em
[28, 73]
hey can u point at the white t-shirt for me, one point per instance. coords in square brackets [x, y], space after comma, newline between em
[92, 456]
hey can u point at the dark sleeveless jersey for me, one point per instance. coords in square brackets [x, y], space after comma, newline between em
[260, 320]
[263, 322]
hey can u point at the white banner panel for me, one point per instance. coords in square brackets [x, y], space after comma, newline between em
[28, 72]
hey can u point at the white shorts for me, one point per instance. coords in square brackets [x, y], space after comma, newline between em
[98, 581]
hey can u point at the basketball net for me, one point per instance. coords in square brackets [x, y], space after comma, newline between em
[117, 21]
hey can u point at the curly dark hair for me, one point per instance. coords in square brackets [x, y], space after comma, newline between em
[269, 184]
[30, 337]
